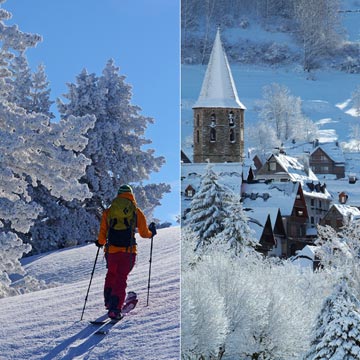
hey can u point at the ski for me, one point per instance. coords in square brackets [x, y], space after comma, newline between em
[106, 323]
[104, 330]
[99, 322]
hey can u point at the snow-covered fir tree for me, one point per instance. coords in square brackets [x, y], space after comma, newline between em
[32, 150]
[40, 93]
[236, 237]
[337, 330]
[117, 140]
[208, 208]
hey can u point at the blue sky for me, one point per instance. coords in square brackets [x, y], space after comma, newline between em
[142, 37]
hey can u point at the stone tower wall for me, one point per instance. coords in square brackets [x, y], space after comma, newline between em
[217, 137]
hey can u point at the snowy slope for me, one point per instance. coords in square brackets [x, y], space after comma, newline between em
[46, 324]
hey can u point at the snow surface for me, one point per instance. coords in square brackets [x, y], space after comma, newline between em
[46, 324]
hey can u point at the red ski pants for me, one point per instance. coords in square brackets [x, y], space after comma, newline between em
[119, 266]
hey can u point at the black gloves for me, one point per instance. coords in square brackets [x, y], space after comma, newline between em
[98, 244]
[152, 228]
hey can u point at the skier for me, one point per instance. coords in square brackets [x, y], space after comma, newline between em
[117, 234]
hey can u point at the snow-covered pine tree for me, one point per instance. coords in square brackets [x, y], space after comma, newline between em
[40, 93]
[117, 140]
[337, 329]
[236, 237]
[32, 150]
[208, 208]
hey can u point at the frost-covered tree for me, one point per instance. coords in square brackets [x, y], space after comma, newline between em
[116, 143]
[318, 26]
[32, 150]
[197, 296]
[264, 138]
[354, 144]
[20, 81]
[337, 329]
[265, 308]
[339, 252]
[208, 208]
[282, 111]
[355, 98]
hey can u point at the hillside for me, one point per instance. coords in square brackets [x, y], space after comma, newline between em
[46, 324]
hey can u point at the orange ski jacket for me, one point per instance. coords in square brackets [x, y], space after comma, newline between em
[140, 224]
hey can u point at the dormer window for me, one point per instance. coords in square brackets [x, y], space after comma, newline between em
[212, 135]
[189, 191]
[212, 120]
[232, 135]
[231, 119]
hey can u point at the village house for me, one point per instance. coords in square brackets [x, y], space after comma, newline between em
[328, 159]
[339, 215]
[285, 168]
[279, 198]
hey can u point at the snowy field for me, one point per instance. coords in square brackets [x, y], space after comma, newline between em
[46, 324]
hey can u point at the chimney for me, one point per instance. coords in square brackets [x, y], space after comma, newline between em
[343, 197]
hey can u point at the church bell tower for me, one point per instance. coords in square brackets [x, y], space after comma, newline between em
[218, 113]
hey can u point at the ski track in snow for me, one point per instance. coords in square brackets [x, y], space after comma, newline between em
[46, 324]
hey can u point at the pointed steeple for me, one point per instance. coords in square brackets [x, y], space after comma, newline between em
[218, 88]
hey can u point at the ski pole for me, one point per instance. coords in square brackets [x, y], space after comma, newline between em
[92, 274]
[151, 248]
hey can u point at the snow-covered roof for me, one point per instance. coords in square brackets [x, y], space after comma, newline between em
[348, 211]
[332, 149]
[295, 169]
[335, 187]
[276, 195]
[258, 217]
[316, 190]
[218, 88]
